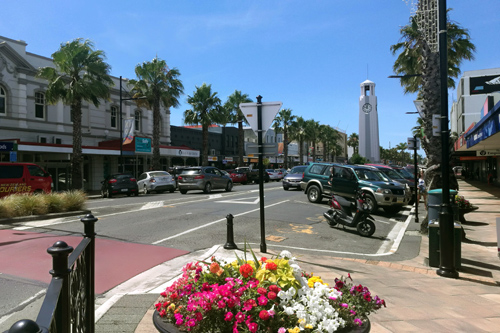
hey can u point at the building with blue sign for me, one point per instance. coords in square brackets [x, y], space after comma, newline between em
[475, 118]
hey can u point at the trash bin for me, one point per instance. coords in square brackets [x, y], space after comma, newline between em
[434, 246]
[434, 201]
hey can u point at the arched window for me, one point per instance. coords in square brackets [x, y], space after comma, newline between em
[114, 116]
[3, 101]
[138, 120]
[40, 105]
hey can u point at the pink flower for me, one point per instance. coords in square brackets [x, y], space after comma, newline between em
[228, 316]
[281, 330]
[252, 327]
[262, 300]
[358, 322]
[221, 304]
[272, 295]
[249, 304]
[274, 288]
[262, 291]
[240, 317]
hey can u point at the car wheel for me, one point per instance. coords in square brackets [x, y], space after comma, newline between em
[129, 194]
[136, 193]
[243, 183]
[229, 186]
[392, 209]
[183, 191]
[208, 188]
[314, 194]
[145, 190]
[103, 194]
[172, 190]
[286, 188]
[366, 228]
[371, 203]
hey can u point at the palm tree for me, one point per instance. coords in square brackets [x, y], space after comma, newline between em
[298, 132]
[353, 142]
[416, 57]
[206, 106]
[156, 85]
[80, 74]
[233, 104]
[402, 148]
[312, 135]
[282, 124]
[331, 143]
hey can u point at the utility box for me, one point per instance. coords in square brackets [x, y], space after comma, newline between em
[434, 201]
[434, 244]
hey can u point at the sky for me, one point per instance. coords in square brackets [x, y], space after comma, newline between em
[311, 55]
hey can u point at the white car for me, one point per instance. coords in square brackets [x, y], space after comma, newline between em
[273, 174]
[158, 181]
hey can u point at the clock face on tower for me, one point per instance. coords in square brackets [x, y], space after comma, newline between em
[367, 107]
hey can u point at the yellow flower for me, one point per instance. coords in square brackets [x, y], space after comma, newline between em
[294, 330]
[313, 279]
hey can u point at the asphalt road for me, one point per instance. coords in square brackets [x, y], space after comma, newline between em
[157, 222]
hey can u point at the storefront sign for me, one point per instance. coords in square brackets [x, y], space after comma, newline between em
[142, 145]
[212, 158]
[8, 146]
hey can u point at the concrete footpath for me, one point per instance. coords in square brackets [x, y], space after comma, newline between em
[418, 300]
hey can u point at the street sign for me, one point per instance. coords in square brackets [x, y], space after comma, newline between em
[269, 111]
[267, 149]
[411, 143]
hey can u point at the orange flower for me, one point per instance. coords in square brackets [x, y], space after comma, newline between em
[214, 267]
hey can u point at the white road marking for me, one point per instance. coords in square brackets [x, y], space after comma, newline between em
[213, 222]
[252, 201]
[151, 205]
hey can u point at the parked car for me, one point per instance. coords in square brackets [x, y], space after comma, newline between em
[238, 176]
[397, 176]
[176, 171]
[253, 174]
[281, 173]
[158, 181]
[273, 174]
[203, 178]
[380, 190]
[293, 177]
[23, 178]
[119, 183]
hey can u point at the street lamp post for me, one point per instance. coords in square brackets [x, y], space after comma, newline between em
[415, 175]
[446, 232]
[121, 122]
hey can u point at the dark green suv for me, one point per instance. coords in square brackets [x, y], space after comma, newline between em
[347, 179]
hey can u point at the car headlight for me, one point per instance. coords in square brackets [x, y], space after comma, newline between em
[384, 191]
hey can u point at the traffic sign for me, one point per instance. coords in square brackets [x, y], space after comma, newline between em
[269, 111]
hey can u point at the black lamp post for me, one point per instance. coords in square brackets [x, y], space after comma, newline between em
[415, 165]
[446, 232]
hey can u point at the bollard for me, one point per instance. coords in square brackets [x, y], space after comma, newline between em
[230, 238]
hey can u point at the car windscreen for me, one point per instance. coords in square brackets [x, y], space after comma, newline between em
[191, 172]
[122, 176]
[405, 173]
[393, 174]
[298, 170]
[370, 175]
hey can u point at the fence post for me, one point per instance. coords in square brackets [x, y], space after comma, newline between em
[26, 326]
[60, 252]
[89, 231]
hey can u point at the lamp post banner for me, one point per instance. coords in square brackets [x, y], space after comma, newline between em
[129, 131]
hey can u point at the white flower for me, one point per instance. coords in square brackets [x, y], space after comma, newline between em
[286, 254]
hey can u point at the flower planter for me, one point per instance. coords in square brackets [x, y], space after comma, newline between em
[463, 211]
[164, 327]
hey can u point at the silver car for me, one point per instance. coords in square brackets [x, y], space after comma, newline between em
[293, 177]
[158, 181]
[203, 178]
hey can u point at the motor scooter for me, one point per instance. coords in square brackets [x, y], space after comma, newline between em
[340, 213]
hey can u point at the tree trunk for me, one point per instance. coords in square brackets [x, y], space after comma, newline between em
[155, 165]
[204, 158]
[241, 135]
[76, 157]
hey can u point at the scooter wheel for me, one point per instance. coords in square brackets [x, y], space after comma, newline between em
[331, 223]
[366, 228]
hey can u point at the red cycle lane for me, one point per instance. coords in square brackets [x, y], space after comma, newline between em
[24, 254]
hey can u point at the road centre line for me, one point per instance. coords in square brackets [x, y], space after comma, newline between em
[214, 222]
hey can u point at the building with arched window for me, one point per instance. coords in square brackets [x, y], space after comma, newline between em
[43, 133]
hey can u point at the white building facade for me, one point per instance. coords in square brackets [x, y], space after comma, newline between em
[40, 133]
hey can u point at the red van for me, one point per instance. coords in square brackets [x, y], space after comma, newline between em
[23, 178]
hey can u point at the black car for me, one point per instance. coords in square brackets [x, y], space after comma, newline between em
[119, 183]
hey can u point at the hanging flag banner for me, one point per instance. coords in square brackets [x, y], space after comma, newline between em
[129, 131]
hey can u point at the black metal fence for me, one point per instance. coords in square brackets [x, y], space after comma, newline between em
[69, 303]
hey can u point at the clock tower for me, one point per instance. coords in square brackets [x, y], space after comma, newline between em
[369, 146]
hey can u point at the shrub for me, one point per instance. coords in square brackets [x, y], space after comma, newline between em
[30, 204]
[55, 202]
[74, 200]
